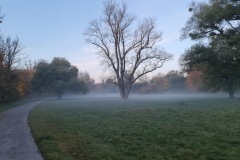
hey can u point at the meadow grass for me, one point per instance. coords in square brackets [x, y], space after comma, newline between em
[103, 129]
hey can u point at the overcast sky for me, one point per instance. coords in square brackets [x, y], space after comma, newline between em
[54, 28]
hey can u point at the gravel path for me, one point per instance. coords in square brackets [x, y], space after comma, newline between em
[16, 141]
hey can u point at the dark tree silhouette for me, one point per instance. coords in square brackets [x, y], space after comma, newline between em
[217, 21]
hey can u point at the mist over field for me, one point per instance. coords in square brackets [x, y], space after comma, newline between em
[157, 98]
[144, 97]
[156, 126]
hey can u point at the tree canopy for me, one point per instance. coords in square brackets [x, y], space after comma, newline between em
[220, 71]
[12, 77]
[57, 77]
[218, 59]
[217, 17]
[12, 50]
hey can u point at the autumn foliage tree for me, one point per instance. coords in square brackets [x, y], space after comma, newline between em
[171, 82]
[194, 81]
[12, 80]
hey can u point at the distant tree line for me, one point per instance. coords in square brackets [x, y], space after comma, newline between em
[42, 79]
[131, 54]
[20, 78]
[171, 82]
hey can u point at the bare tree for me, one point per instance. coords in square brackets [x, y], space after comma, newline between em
[129, 53]
[1, 60]
[1, 18]
[12, 51]
[1, 52]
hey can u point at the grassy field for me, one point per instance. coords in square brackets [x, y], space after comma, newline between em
[138, 129]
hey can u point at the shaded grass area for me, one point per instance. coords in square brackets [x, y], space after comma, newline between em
[203, 129]
[4, 107]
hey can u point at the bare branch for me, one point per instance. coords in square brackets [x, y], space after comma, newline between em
[129, 53]
[12, 50]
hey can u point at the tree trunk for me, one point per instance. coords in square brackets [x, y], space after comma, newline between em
[123, 93]
[230, 90]
[59, 95]
[124, 96]
[231, 94]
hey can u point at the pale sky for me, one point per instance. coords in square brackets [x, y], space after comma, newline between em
[54, 28]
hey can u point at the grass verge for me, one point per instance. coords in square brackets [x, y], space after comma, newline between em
[200, 129]
[5, 107]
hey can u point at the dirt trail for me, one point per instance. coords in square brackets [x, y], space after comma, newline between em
[16, 141]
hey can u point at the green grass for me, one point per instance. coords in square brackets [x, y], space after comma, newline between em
[4, 107]
[202, 129]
